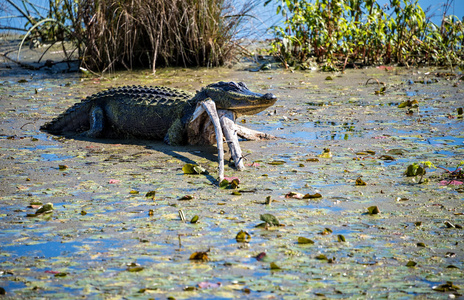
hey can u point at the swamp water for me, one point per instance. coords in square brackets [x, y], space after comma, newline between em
[106, 239]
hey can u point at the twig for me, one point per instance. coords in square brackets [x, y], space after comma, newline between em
[210, 108]
[230, 132]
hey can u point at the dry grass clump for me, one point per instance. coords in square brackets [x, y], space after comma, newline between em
[151, 33]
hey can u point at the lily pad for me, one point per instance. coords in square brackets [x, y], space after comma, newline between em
[303, 240]
[373, 210]
[243, 237]
[193, 169]
[269, 219]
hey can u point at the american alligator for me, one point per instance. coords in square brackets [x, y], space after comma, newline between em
[154, 113]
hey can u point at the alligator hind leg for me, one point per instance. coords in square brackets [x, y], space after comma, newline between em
[96, 123]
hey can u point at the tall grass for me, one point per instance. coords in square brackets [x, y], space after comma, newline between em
[341, 32]
[111, 34]
[151, 33]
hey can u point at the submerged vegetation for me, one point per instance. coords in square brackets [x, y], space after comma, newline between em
[339, 32]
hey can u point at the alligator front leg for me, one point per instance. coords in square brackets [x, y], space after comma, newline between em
[96, 123]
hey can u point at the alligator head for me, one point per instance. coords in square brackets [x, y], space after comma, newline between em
[238, 98]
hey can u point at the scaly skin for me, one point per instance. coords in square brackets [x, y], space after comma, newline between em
[153, 113]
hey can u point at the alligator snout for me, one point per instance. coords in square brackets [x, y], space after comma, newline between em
[269, 96]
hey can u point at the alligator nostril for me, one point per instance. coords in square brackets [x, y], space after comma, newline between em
[269, 96]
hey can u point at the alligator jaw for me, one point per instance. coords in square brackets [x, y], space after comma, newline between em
[238, 98]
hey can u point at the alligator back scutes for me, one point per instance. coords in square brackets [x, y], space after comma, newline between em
[160, 100]
[138, 95]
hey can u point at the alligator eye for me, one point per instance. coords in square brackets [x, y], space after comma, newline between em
[243, 85]
[233, 84]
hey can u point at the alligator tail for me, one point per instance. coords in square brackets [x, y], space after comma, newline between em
[75, 119]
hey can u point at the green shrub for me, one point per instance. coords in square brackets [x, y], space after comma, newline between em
[363, 32]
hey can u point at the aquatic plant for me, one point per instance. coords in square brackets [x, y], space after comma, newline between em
[158, 32]
[339, 32]
[118, 33]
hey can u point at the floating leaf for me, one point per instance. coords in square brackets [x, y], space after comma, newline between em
[420, 244]
[302, 240]
[414, 170]
[243, 237]
[269, 219]
[276, 162]
[229, 183]
[387, 157]
[360, 182]
[274, 266]
[46, 208]
[193, 169]
[326, 231]
[261, 225]
[409, 103]
[62, 167]
[151, 194]
[321, 257]
[194, 219]
[186, 197]
[341, 238]
[199, 169]
[203, 256]
[61, 274]
[312, 159]
[134, 192]
[135, 269]
[312, 196]
[451, 267]
[294, 195]
[411, 264]
[326, 153]
[373, 210]
[446, 287]
[224, 184]
[234, 183]
[396, 151]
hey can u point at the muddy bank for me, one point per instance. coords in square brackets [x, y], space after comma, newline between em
[105, 238]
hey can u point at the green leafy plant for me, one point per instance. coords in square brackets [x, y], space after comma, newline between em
[341, 32]
[418, 169]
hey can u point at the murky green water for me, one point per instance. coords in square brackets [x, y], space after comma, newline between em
[102, 241]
